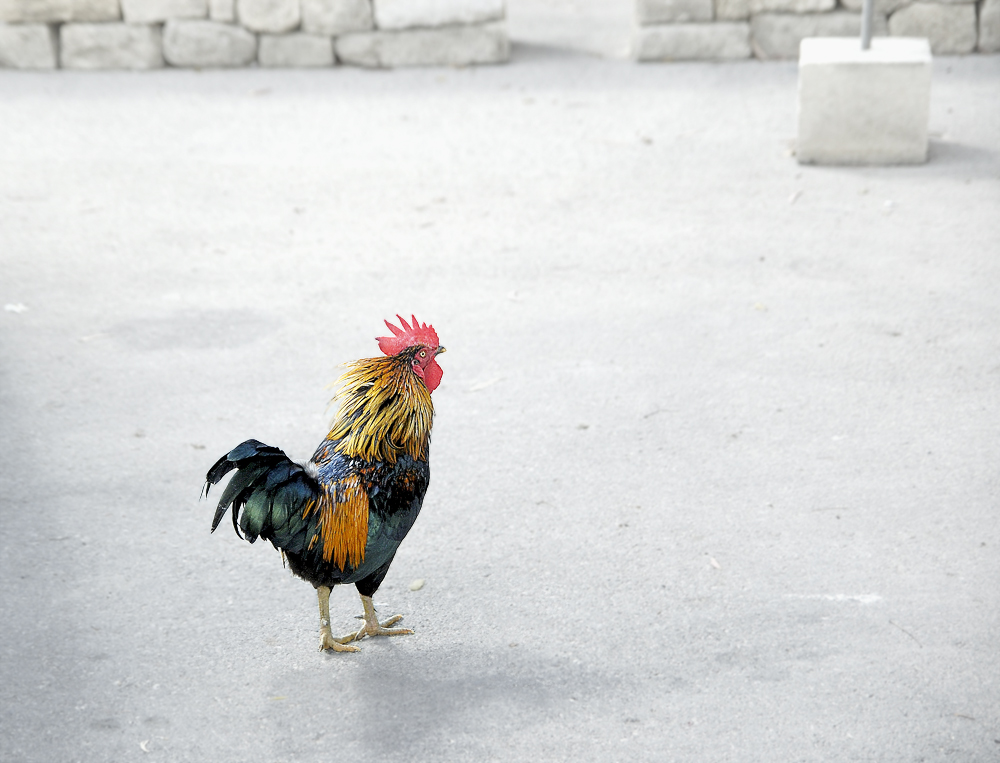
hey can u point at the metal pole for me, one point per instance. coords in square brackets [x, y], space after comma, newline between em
[866, 24]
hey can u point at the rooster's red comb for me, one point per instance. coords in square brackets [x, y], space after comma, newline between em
[408, 336]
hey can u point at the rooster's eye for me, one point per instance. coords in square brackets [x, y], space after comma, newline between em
[423, 353]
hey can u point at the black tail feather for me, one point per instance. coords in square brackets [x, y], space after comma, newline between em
[244, 478]
[268, 494]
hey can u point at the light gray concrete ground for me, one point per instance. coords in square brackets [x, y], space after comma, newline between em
[715, 458]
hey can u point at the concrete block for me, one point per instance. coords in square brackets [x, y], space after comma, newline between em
[207, 44]
[336, 17]
[53, 11]
[989, 26]
[222, 10]
[863, 106]
[673, 11]
[28, 46]
[732, 10]
[411, 14]
[110, 46]
[156, 11]
[271, 16]
[791, 6]
[296, 50]
[950, 28]
[693, 42]
[778, 35]
[447, 46]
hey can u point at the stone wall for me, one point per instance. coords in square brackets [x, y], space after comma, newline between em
[733, 29]
[150, 34]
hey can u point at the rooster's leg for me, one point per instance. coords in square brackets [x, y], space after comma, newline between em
[326, 639]
[373, 627]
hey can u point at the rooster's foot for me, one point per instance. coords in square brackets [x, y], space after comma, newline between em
[373, 627]
[327, 641]
[376, 629]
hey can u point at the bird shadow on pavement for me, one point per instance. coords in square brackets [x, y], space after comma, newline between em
[411, 701]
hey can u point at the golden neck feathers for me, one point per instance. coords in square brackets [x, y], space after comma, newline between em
[385, 411]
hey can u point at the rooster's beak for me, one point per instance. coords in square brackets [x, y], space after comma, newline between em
[439, 350]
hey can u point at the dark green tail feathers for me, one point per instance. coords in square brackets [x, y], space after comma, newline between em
[268, 495]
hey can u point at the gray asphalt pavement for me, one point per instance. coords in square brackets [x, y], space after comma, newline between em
[715, 462]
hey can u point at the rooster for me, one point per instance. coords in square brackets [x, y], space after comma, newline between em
[340, 518]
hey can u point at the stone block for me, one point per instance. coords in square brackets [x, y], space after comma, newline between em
[411, 14]
[207, 44]
[882, 7]
[448, 46]
[950, 28]
[270, 16]
[296, 50]
[110, 46]
[693, 42]
[336, 17]
[222, 10]
[791, 6]
[863, 106]
[777, 35]
[28, 46]
[673, 11]
[156, 11]
[989, 26]
[54, 11]
[732, 10]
